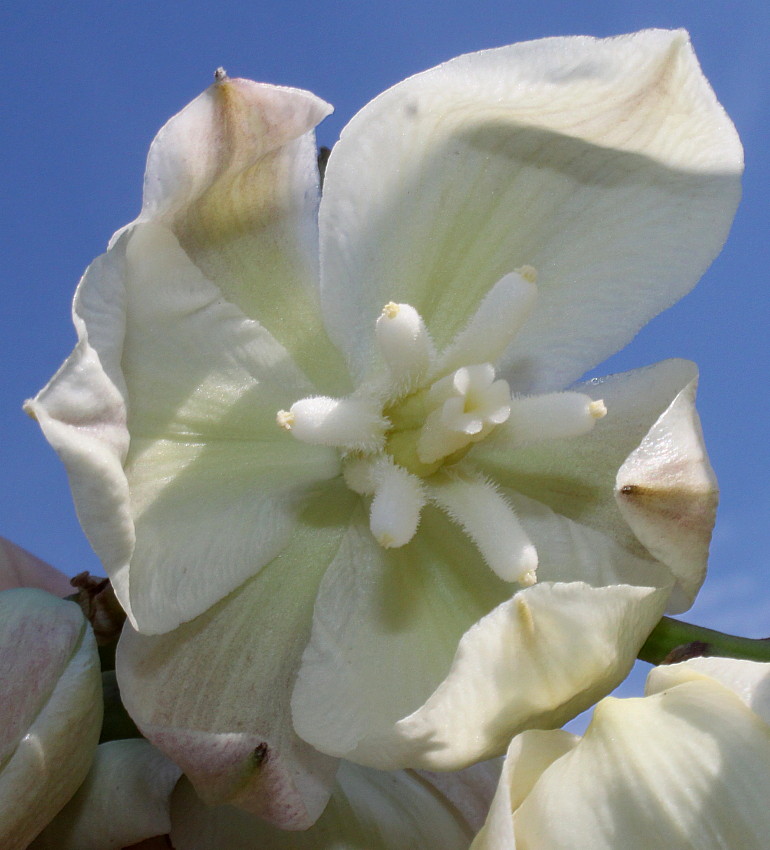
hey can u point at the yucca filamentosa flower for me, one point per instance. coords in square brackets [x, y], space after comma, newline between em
[326, 452]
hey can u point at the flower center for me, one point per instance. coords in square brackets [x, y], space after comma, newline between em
[404, 432]
[439, 423]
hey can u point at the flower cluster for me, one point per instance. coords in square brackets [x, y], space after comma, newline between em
[330, 448]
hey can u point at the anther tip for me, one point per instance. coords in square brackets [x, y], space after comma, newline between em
[597, 409]
[284, 419]
[528, 578]
[529, 273]
[391, 310]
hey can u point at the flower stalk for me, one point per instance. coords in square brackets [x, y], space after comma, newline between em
[673, 640]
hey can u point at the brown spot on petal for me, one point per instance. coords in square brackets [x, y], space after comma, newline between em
[667, 493]
[261, 754]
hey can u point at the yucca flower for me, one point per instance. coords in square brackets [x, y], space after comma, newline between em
[326, 453]
[51, 698]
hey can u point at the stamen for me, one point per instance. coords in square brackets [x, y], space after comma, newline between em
[348, 423]
[503, 311]
[552, 416]
[405, 344]
[398, 501]
[488, 519]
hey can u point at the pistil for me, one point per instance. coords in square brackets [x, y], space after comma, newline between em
[404, 433]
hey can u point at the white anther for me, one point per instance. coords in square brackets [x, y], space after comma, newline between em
[498, 318]
[284, 419]
[488, 519]
[405, 344]
[347, 423]
[398, 500]
[553, 416]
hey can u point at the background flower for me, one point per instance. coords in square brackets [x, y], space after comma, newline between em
[52, 709]
[685, 766]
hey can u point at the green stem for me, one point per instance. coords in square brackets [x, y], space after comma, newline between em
[673, 640]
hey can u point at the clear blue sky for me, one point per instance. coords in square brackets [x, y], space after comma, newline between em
[86, 85]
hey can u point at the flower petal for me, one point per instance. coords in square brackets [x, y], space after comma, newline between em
[687, 767]
[576, 477]
[528, 756]
[214, 485]
[52, 709]
[668, 494]
[123, 800]
[606, 164]
[379, 684]
[385, 627]
[234, 176]
[214, 694]
[537, 660]
[19, 568]
[749, 679]
[368, 809]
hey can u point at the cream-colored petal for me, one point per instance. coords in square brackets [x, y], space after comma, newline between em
[214, 484]
[214, 694]
[51, 709]
[385, 628]
[576, 476]
[369, 810]
[399, 672]
[123, 800]
[537, 660]
[19, 568]
[668, 494]
[685, 768]
[529, 754]
[234, 176]
[750, 680]
[608, 165]
[82, 412]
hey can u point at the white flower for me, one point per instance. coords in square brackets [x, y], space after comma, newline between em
[324, 490]
[686, 766]
[51, 708]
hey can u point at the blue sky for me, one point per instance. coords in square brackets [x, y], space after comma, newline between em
[87, 85]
